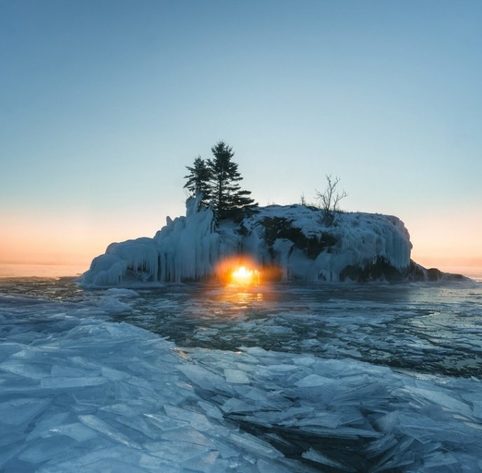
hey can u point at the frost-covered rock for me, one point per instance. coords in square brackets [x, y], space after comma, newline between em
[296, 239]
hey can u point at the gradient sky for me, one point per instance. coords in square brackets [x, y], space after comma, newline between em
[103, 103]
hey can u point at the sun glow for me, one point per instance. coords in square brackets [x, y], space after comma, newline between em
[239, 271]
[244, 276]
[244, 272]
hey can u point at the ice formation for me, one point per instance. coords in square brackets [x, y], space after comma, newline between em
[295, 238]
[83, 393]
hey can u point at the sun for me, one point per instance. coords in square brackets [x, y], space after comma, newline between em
[239, 271]
[244, 276]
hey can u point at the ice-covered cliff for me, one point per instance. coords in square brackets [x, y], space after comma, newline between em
[297, 239]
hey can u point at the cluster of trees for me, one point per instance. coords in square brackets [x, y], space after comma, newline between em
[216, 180]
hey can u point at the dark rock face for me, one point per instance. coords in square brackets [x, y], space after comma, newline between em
[434, 274]
[416, 272]
[382, 270]
[280, 227]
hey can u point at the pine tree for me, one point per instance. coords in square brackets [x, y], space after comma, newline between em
[227, 197]
[198, 180]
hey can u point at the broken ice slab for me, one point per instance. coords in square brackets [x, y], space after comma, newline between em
[314, 380]
[441, 398]
[281, 368]
[205, 463]
[102, 461]
[34, 371]
[296, 412]
[113, 374]
[256, 394]
[40, 450]
[16, 412]
[57, 382]
[175, 451]
[276, 330]
[71, 370]
[389, 421]
[121, 292]
[48, 420]
[133, 409]
[197, 420]
[138, 427]
[211, 410]
[330, 420]
[204, 378]
[264, 466]
[441, 459]
[254, 445]
[164, 423]
[245, 366]
[75, 431]
[304, 360]
[477, 409]
[155, 464]
[256, 351]
[318, 457]
[188, 435]
[7, 349]
[233, 405]
[235, 376]
[100, 426]
[225, 449]
[342, 432]
[9, 453]
[112, 305]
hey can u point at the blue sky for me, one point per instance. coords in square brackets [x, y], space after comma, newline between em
[103, 103]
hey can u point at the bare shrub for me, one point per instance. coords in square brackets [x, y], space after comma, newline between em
[330, 197]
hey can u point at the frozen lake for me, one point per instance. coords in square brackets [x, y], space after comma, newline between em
[200, 378]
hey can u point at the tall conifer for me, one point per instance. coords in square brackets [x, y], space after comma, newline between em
[198, 180]
[227, 197]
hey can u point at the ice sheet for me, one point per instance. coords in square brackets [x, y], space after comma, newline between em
[80, 392]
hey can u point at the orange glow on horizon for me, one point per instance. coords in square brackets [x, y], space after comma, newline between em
[63, 244]
[448, 239]
[39, 243]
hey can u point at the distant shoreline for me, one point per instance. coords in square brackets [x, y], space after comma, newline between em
[26, 270]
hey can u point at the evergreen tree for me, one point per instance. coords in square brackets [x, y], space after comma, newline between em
[227, 197]
[198, 180]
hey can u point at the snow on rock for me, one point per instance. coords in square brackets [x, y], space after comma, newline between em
[297, 239]
[307, 247]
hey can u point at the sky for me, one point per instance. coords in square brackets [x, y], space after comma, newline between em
[104, 103]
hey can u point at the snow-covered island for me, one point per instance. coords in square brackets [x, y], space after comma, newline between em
[300, 242]
[297, 239]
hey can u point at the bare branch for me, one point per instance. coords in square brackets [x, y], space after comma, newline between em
[330, 198]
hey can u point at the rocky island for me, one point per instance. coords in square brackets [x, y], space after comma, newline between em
[299, 242]
[296, 239]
